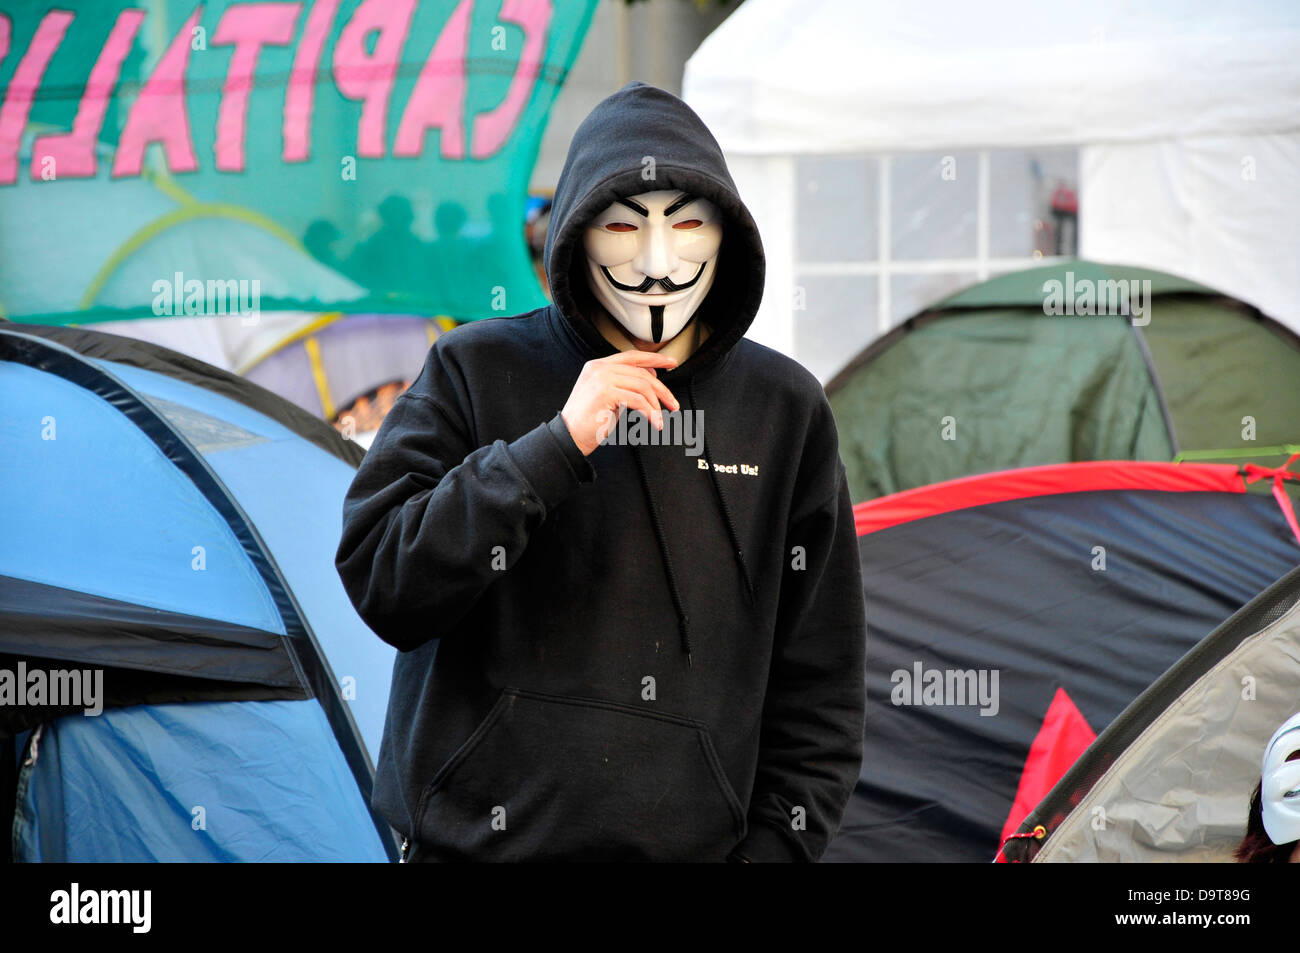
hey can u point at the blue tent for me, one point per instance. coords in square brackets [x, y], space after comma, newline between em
[167, 545]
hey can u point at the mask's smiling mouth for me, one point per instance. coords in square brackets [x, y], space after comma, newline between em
[669, 286]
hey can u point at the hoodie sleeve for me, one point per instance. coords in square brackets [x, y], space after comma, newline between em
[428, 507]
[811, 742]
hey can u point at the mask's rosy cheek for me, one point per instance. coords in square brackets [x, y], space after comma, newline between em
[609, 248]
[699, 244]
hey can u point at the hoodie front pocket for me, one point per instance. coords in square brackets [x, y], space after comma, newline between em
[552, 777]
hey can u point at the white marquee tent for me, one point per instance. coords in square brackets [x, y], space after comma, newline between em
[894, 152]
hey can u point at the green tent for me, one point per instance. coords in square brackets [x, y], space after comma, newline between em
[1072, 361]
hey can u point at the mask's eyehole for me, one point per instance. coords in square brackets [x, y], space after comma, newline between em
[1294, 755]
[689, 223]
[620, 227]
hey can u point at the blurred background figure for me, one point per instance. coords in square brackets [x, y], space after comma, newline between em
[391, 261]
[319, 241]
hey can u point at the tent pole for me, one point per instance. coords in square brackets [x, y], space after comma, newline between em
[883, 235]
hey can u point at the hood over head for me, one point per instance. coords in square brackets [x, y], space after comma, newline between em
[644, 139]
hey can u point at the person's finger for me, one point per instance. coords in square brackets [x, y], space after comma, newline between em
[665, 395]
[628, 381]
[641, 358]
[660, 390]
[635, 400]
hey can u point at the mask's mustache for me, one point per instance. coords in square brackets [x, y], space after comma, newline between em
[666, 283]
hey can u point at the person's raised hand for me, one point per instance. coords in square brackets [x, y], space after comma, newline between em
[606, 385]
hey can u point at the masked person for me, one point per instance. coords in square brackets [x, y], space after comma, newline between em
[1273, 824]
[617, 642]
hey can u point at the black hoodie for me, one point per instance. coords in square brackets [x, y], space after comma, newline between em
[641, 654]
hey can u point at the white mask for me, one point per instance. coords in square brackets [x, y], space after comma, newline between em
[651, 260]
[1280, 791]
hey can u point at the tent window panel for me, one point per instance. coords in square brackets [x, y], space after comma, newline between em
[838, 319]
[1021, 187]
[836, 209]
[934, 206]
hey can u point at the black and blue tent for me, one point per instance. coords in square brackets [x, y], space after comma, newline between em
[172, 527]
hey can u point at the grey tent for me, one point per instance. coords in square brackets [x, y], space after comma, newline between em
[1171, 778]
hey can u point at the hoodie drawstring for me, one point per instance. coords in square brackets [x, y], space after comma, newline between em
[722, 502]
[683, 621]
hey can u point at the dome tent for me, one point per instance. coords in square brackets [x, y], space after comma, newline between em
[335, 366]
[242, 695]
[326, 365]
[1066, 591]
[1171, 778]
[988, 380]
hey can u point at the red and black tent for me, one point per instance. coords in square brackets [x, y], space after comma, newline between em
[1012, 616]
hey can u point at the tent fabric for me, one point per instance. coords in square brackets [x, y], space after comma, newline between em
[986, 380]
[195, 782]
[128, 527]
[230, 342]
[1015, 392]
[1024, 288]
[322, 363]
[1214, 207]
[151, 652]
[1096, 592]
[180, 366]
[203, 569]
[1219, 363]
[1170, 779]
[1180, 168]
[339, 361]
[841, 76]
[1028, 482]
[1064, 736]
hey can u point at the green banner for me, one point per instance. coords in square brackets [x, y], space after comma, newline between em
[175, 158]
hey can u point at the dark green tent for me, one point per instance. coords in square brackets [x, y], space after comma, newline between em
[1069, 362]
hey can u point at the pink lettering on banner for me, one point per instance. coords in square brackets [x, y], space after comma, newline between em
[74, 152]
[492, 129]
[300, 97]
[249, 27]
[22, 87]
[437, 101]
[159, 112]
[370, 77]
